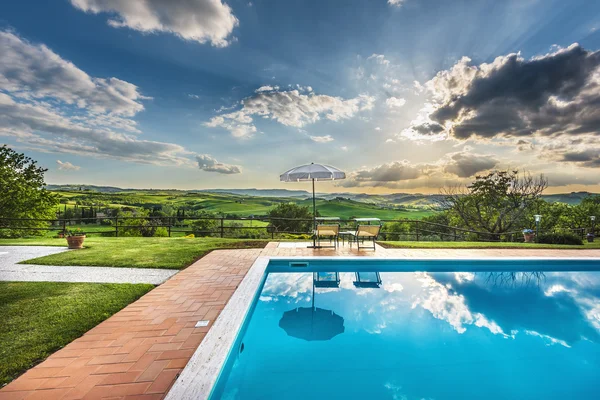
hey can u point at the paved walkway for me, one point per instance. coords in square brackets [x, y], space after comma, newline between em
[11, 270]
[139, 352]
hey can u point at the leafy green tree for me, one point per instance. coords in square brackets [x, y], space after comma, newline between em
[23, 194]
[206, 226]
[495, 203]
[554, 215]
[290, 217]
[139, 223]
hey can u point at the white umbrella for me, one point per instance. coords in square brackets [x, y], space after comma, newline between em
[312, 172]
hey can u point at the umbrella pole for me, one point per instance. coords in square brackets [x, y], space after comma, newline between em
[314, 215]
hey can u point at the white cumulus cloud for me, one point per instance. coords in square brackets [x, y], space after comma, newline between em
[196, 20]
[322, 139]
[395, 102]
[296, 108]
[67, 166]
[49, 105]
[210, 164]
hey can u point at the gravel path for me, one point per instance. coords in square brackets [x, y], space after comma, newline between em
[10, 270]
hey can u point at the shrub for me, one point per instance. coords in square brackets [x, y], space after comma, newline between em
[560, 238]
[161, 231]
[208, 226]
[397, 231]
[290, 217]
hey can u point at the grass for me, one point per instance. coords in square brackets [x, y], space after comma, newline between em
[39, 318]
[483, 245]
[172, 253]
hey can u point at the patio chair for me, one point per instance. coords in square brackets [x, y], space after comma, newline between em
[368, 232]
[330, 231]
[371, 280]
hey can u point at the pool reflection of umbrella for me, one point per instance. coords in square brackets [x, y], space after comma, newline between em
[313, 323]
[310, 323]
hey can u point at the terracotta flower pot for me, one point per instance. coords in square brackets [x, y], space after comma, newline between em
[528, 237]
[75, 242]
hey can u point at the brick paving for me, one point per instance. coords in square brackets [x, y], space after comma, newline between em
[138, 352]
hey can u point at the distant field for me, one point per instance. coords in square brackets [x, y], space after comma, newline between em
[231, 204]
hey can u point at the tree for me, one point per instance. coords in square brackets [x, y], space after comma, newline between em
[495, 203]
[23, 194]
[139, 223]
[207, 225]
[290, 217]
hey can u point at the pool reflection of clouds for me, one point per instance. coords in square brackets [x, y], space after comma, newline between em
[446, 304]
[561, 308]
[428, 335]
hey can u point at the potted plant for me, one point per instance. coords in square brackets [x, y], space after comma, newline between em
[590, 237]
[75, 238]
[528, 235]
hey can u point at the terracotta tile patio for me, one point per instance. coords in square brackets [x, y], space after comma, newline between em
[138, 352]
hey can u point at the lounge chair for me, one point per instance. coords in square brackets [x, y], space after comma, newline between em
[327, 231]
[367, 280]
[369, 232]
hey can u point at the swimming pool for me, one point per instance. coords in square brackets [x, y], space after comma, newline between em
[453, 329]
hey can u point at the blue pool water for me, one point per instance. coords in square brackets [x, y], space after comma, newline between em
[485, 332]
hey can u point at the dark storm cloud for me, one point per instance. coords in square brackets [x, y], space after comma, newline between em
[586, 158]
[428, 128]
[555, 94]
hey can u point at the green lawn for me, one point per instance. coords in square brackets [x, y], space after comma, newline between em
[39, 318]
[483, 245]
[172, 253]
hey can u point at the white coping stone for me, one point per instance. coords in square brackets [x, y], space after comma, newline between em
[201, 372]
[293, 245]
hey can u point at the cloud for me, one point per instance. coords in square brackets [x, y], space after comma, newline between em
[50, 105]
[67, 166]
[394, 102]
[322, 139]
[465, 164]
[546, 96]
[524, 145]
[395, 171]
[582, 151]
[195, 20]
[295, 108]
[452, 168]
[193, 96]
[31, 71]
[397, 3]
[209, 164]
[379, 58]
[266, 88]
[586, 158]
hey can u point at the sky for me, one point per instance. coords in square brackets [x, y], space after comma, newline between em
[402, 95]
